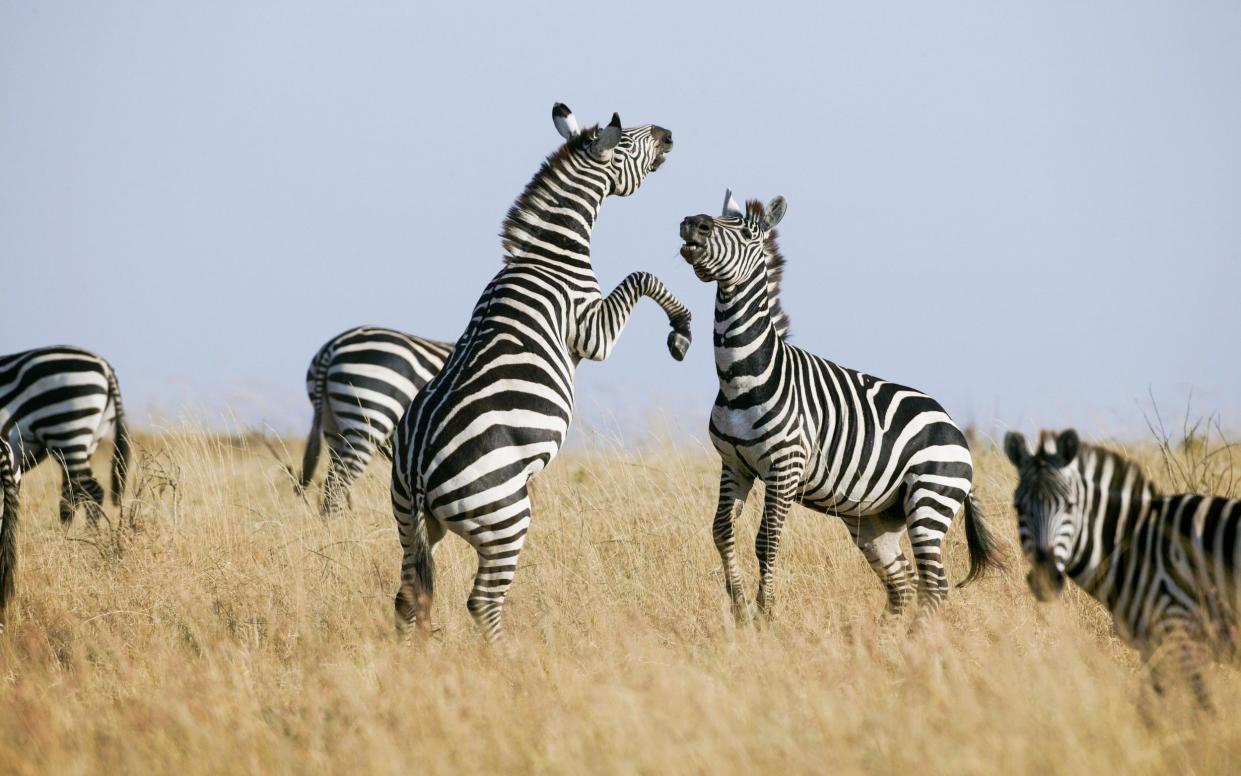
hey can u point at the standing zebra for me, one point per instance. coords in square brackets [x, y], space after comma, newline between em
[360, 384]
[10, 478]
[1168, 568]
[883, 457]
[60, 401]
[498, 411]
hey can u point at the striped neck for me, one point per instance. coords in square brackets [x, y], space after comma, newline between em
[746, 340]
[550, 224]
[1116, 498]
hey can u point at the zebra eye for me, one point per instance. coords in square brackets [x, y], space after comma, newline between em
[746, 233]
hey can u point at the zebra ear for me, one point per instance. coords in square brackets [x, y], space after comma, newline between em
[1068, 445]
[731, 208]
[775, 212]
[564, 120]
[1016, 449]
[608, 137]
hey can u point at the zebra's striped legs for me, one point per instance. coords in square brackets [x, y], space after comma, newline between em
[498, 544]
[776, 502]
[420, 533]
[734, 488]
[600, 324]
[926, 523]
[78, 485]
[879, 539]
[348, 455]
[1178, 648]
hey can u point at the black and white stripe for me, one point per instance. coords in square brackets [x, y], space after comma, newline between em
[499, 410]
[887, 459]
[10, 478]
[360, 383]
[59, 402]
[1168, 568]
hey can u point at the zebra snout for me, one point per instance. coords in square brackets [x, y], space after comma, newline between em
[694, 228]
[663, 137]
[1045, 579]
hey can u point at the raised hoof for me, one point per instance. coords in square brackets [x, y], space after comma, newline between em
[678, 344]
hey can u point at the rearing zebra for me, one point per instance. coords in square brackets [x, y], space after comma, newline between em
[883, 457]
[498, 411]
[1168, 568]
[360, 383]
[59, 402]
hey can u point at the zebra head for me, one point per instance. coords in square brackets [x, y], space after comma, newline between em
[623, 156]
[732, 248]
[1049, 497]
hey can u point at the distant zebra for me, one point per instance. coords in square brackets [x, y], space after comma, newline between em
[59, 402]
[885, 458]
[10, 478]
[1168, 568]
[368, 375]
[499, 410]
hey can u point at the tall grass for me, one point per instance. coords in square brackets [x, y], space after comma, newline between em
[218, 625]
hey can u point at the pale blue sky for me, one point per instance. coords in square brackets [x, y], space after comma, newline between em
[1032, 213]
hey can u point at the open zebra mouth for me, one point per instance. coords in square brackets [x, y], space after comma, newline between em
[659, 161]
[692, 250]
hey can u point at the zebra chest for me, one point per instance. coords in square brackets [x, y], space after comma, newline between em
[744, 439]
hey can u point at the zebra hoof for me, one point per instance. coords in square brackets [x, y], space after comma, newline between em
[678, 344]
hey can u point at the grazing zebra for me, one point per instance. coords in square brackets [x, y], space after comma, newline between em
[1168, 568]
[59, 402]
[10, 478]
[360, 384]
[883, 457]
[498, 411]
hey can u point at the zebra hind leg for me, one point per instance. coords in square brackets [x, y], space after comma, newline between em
[92, 495]
[879, 539]
[776, 502]
[927, 522]
[1181, 651]
[497, 545]
[346, 461]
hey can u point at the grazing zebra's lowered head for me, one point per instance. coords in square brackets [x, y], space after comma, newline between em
[1049, 492]
[739, 248]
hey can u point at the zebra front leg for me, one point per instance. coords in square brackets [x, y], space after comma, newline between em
[498, 544]
[600, 322]
[776, 503]
[734, 488]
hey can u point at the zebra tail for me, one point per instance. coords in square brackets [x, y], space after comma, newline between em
[8, 531]
[318, 401]
[424, 561]
[122, 453]
[985, 553]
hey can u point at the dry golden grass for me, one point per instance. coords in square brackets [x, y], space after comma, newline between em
[229, 629]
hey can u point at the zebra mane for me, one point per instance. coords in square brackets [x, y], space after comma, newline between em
[756, 211]
[1123, 469]
[537, 194]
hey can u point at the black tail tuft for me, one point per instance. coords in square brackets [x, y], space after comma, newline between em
[8, 529]
[123, 452]
[985, 551]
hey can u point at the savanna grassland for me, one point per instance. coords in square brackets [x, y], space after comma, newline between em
[219, 625]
